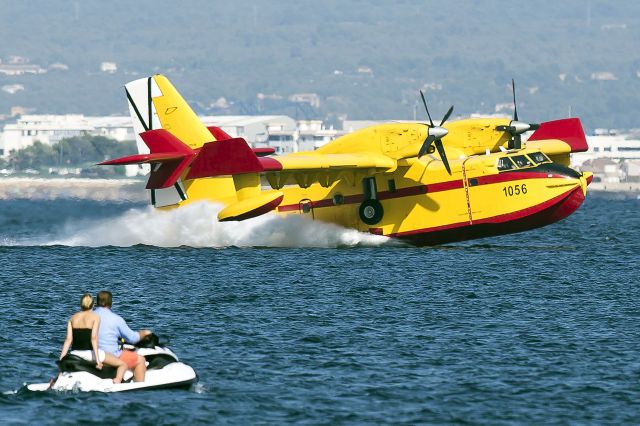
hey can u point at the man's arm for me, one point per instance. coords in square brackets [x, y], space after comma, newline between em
[128, 334]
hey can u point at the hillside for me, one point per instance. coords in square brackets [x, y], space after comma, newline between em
[363, 59]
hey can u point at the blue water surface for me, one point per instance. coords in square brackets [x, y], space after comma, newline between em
[535, 328]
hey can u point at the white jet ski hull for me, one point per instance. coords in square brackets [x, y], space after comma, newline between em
[174, 375]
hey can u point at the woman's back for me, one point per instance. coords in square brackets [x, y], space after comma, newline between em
[84, 319]
[82, 324]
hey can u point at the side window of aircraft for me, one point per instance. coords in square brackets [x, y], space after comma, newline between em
[505, 163]
[539, 157]
[522, 161]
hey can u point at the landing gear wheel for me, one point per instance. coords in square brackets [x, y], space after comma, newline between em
[371, 212]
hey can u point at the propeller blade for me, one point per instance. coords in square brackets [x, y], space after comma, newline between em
[515, 105]
[427, 109]
[443, 156]
[425, 146]
[447, 115]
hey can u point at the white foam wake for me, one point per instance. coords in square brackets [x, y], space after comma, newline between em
[195, 225]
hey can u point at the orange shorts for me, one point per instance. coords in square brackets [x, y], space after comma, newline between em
[130, 358]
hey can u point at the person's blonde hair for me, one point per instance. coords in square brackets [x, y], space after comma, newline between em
[86, 302]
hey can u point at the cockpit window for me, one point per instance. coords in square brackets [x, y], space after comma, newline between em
[505, 164]
[539, 157]
[522, 161]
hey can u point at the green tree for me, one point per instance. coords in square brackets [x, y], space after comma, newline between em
[78, 151]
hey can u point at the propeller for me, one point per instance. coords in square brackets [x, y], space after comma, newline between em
[435, 135]
[516, 128]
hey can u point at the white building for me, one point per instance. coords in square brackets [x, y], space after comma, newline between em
[312, 135]
[118, 128]
[611, 157]
[21, 69]
[50, 129]
[108, 67]
[280, 132]
[632, 170]
[603, 76]
[274, 131]
[612, 146]
[306, 98]
[12, 88]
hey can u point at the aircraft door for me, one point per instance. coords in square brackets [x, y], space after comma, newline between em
[305, 206]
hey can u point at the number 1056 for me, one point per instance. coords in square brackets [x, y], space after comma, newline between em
[510, 191]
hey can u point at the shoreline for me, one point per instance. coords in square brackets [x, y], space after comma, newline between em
[36, 188]
[617, 190]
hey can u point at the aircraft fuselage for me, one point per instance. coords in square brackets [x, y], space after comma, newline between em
[422, 204]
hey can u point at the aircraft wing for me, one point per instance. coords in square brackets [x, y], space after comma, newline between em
[305, 169]
[235, 157]
[325, 162]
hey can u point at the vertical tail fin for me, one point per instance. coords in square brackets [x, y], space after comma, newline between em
[168, 135]
[155, 104]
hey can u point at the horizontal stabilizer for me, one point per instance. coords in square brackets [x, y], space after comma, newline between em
[218, 133]
[162, 140]
[568, 130]
[141, 159]
[169, 157]
[225, 157]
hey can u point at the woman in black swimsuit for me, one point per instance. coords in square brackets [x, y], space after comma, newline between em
[82, 338]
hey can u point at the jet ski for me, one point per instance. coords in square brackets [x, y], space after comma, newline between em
[164, 370]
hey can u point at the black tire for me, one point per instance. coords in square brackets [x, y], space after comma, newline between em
[371, 212]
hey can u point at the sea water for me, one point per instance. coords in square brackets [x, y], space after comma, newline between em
[287, 321]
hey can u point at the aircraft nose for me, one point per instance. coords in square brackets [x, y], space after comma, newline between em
[583, 185]
[585, 180]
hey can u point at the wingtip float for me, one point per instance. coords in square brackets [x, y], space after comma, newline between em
[421, 182]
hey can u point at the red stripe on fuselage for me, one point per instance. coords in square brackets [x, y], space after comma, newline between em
[426, 189]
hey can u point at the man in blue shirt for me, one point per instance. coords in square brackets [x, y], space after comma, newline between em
[112, 328]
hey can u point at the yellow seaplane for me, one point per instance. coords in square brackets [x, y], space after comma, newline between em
[394, 179]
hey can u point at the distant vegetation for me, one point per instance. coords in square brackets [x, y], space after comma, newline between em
[77, 152]
[364, 59]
